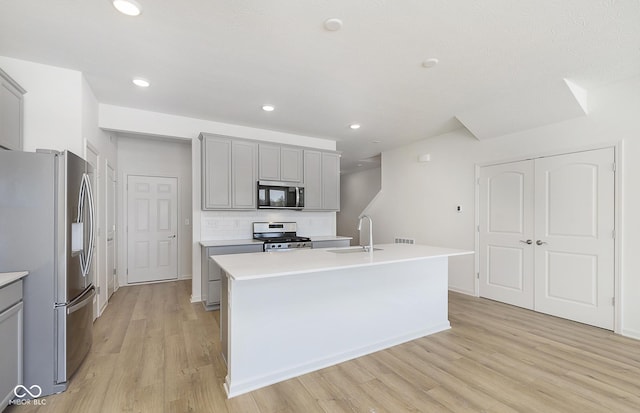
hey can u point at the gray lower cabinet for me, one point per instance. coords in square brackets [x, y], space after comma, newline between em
[334, 243]
[229, 173]
[11, 340]
[11, 105]
[211, 272]
[321, 181]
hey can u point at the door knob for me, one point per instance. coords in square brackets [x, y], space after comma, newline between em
[528, 242]
[539, 242]
[172, 236]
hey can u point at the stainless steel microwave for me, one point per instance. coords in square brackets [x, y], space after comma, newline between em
[280, 195]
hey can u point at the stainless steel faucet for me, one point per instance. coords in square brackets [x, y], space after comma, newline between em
[370, 246]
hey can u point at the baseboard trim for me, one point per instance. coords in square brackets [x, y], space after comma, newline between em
[631, 333]
[457, 290]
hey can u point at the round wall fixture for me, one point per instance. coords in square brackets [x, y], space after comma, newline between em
[128, 7]
[333, 25]
[430, 62]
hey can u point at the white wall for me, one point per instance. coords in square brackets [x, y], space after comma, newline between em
[357, 189]
[156, 158]
[61, 113]
[419, 199]
[52, 105]
[118, 118]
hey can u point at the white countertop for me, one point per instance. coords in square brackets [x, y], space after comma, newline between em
[224, 243]
[7, 278]
[281, 263]
[328, 238]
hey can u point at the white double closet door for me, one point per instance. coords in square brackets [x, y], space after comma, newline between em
[547, 235]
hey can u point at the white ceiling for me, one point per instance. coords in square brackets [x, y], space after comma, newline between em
[222, 60]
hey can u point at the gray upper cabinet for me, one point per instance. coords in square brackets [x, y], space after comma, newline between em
[280, 163]
[229, 173]
[232, 166]
[10, 113]
[330, 181]
[269, 162]
[291, 164]
[243, 176]
[216, 172]
[322, 180]
[312, 180]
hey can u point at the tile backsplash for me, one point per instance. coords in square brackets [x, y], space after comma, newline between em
[229, 225]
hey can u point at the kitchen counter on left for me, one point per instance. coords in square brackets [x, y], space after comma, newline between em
[7, 278]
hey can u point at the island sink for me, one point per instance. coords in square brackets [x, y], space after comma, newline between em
[351, 250]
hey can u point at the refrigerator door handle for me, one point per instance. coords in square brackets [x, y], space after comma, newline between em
[92, 220]
[85, 192]
[82, 301]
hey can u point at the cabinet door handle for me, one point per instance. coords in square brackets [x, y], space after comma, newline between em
[528, 242]
[539, 242]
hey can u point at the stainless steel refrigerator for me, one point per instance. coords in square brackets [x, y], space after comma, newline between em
[47, 228]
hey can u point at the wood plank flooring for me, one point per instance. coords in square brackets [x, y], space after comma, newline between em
[154, 351]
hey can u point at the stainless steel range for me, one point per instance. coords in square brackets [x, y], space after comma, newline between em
[279, 236]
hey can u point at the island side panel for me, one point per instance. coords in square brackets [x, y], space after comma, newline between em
[283, 327]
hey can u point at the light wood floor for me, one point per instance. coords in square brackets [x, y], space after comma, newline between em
[156, 352]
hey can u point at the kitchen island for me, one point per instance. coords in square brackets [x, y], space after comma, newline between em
[287, 313]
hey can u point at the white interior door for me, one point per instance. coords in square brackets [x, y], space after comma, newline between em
[111, 230]
[506, 233]
[152, 220]
[547, 235]
[574, 263]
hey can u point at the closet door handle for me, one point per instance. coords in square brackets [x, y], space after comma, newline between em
[539, 242]
[528, 242]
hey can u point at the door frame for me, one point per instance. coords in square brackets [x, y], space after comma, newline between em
[114, 202]
[618, 148]
[99, 306]
[125, 222]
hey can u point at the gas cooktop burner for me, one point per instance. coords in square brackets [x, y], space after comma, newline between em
[279, 236]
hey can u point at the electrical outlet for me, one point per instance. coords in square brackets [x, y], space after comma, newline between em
[398, 240]
[459, 209]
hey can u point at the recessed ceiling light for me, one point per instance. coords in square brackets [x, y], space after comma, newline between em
[355, 126]
[268, 108]
[359, 164]
[141, 82]
[430, 62]
[375, 141]
[333, 25]
[128, 7]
